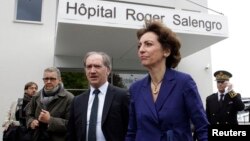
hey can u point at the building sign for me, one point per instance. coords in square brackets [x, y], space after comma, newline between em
[124, 15]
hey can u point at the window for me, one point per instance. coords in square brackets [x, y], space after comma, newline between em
[29, 10]
[128, 78]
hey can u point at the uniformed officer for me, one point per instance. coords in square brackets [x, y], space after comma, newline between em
[222, 107]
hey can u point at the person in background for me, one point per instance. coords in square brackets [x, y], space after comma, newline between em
[165, 101]
[109, 120]
[48, 111]
[30, 89]
[222, 106]
[17, 113]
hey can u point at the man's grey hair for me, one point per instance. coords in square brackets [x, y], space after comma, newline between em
[54, 69]
[105, 57]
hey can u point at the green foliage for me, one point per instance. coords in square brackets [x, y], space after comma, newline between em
[76, 82]
[117, 80]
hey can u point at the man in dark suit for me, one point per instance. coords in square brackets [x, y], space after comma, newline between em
[112, 115]
[222, 107]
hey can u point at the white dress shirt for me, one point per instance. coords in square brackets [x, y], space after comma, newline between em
[101, 96]
[220, 94]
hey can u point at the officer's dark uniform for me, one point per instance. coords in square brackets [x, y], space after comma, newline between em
[226, 111]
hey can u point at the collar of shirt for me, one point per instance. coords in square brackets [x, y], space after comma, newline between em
[220, 94]
[103, 89]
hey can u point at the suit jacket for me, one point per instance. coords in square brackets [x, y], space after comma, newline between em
[114, 117]
[168, 119]
[59, 109]
[225, 114]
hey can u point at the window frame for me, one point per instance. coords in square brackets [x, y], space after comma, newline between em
[28, 21]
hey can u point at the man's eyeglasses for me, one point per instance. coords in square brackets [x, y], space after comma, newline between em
[49, 78]
[220, 82]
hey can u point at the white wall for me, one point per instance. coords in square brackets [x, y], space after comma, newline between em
[26, 50]
[232, 54]
[199, 66]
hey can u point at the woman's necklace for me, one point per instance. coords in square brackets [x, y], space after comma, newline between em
[155, 88]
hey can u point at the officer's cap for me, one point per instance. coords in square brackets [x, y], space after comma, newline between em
[222, 75]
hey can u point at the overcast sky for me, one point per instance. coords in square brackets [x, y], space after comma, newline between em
[232, 53]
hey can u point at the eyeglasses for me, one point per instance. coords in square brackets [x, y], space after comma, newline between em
[49, 78]
[220, 82]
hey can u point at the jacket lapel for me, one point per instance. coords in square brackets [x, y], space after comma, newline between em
[216, 103]
[167, 86]
[84, 109]
[147, 96]
[107, 102]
